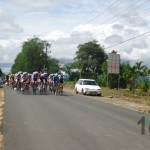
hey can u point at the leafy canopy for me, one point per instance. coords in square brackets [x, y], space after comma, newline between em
[90, 57]
[33, 56]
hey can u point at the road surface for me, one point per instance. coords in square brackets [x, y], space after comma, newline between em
[69, 122]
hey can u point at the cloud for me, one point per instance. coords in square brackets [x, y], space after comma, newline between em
[40, 4]
[113, 39]
[7, 23]
[118, 26]
[56, 19]
[9, 50]
[140, 44]
[140, 22]
[55, 35]
[130, 14]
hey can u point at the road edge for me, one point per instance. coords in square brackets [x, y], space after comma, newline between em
[1, 119]
[138, 107]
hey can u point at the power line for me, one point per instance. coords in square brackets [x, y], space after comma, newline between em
[137, 18]
[128, 40]
[90, 20]
[102, 12]
[64, 31]
[131, 11]
[86, 15]
[125, 13]
[120, 12]
[117, 15]
[67, 29]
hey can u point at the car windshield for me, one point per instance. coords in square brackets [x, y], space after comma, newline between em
[89, 82]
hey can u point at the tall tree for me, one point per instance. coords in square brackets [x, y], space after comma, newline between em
[33, 56]
[90, 57]
[54, 65]
[72, 70]
[131, 74]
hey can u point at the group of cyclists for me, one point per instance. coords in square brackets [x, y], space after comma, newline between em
[42, 81]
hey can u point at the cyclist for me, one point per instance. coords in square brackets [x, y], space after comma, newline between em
[45, 77]
[55, 83]
[18, 80]
[12, 80]
[61, 81]
[24, 79]
[35, 76]
[50, 82]
[24, 76]
[7, 79]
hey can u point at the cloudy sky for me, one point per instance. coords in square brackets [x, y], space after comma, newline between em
[67, 23]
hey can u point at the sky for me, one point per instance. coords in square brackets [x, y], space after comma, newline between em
[120, 25]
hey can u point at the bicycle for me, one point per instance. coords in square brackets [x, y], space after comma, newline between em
[60, 89]
[25, 88]
[43, 88]
[34, 87]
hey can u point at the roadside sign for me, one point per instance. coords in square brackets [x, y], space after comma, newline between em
[113, 63]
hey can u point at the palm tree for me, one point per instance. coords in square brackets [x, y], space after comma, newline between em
[138, 70]
[131, 74]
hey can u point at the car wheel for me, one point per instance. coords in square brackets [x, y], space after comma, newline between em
[76, 91]
[83, 92]
[100, 94]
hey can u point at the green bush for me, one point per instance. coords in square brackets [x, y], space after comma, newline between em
[143, 85]
[101, 81]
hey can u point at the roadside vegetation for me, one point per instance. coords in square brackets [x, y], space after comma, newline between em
[91, 61]
[124, 94]
[35, 57]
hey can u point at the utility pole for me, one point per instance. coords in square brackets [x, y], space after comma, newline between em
[46, 60]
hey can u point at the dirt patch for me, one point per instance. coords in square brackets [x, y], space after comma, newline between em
[122, 100]
[1, 118]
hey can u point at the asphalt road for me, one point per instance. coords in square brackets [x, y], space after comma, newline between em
[69, 122]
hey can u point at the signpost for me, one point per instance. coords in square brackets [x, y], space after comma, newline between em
[113, 65]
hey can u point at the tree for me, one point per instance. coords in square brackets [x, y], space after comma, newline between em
[1, 73]
[124, 74]
[102, 80]
[138, 70]
[54, 65]
[90, 57]
[68, 68]
[33, 56]
[131, 74]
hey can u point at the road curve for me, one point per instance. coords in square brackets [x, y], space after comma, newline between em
[69, 122]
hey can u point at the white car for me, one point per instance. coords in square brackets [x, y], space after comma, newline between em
[87, 86]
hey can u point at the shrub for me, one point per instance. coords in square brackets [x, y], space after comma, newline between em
[144, 85]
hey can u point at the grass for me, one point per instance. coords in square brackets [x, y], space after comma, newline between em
[124, 94]
[69, 84]
[127, 95]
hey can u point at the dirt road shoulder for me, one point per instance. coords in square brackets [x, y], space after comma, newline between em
[1, 117]
[121, 102]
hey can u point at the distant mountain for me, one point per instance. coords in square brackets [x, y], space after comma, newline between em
[65, 60]
[5, 67]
